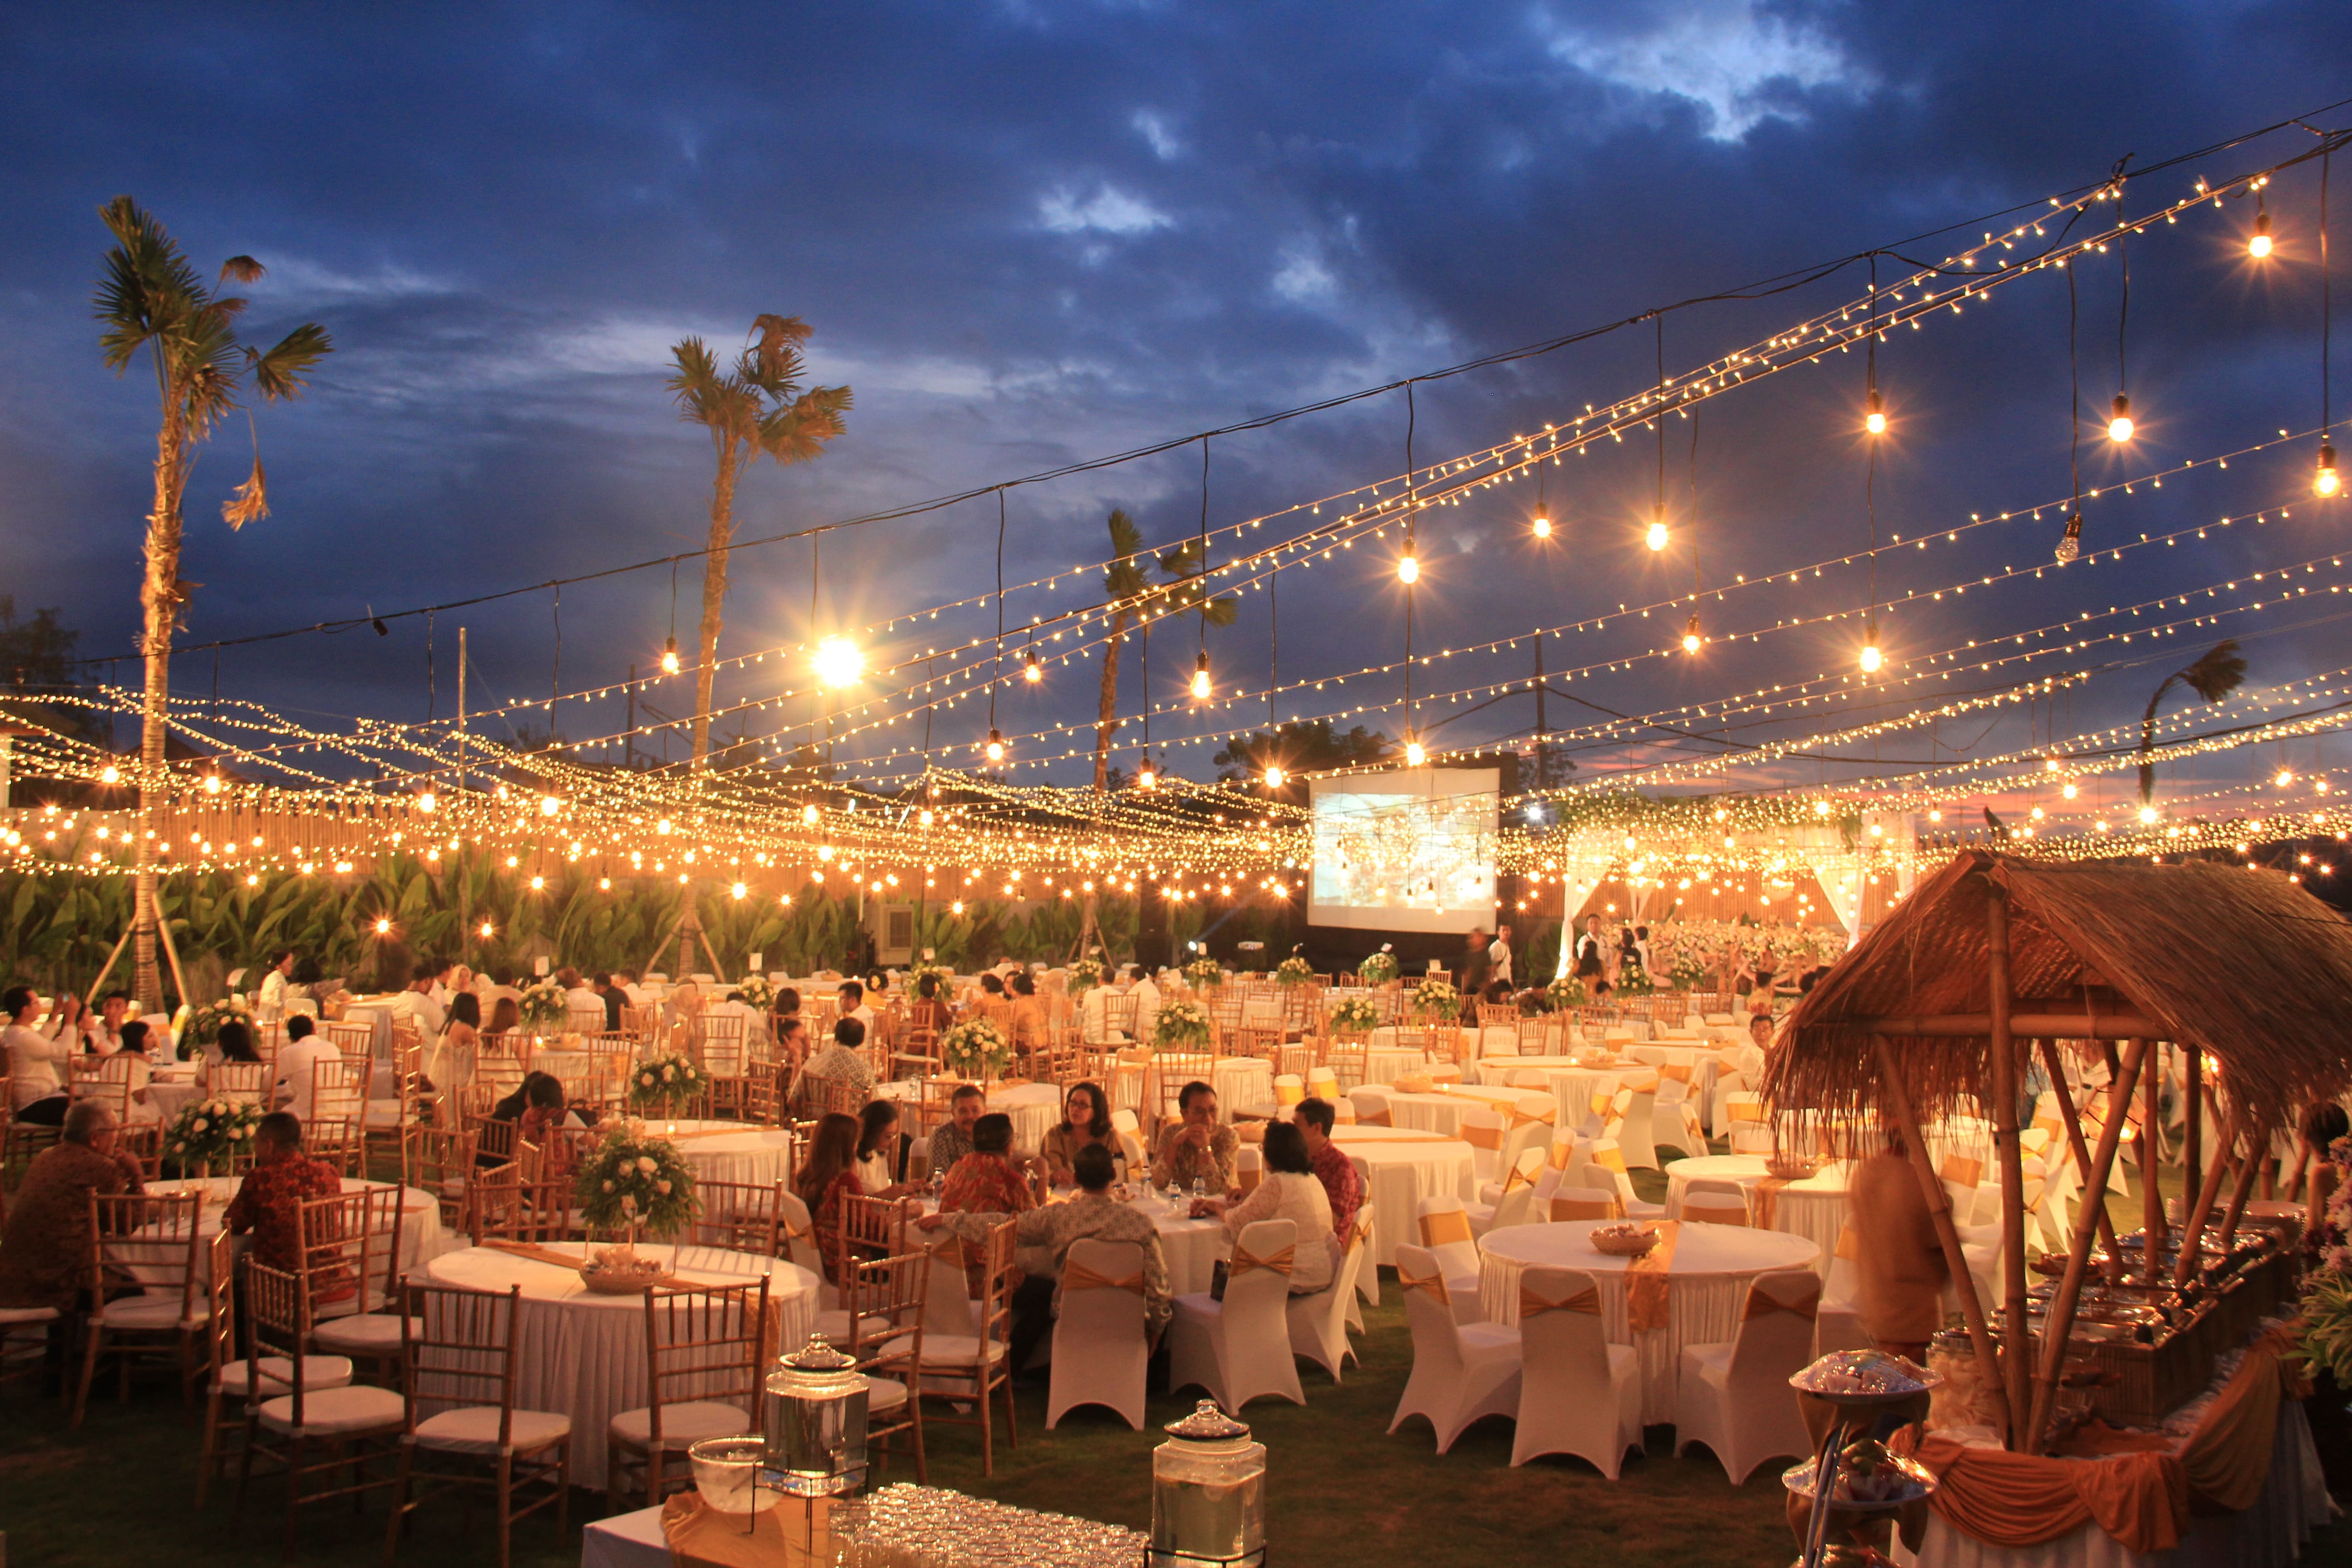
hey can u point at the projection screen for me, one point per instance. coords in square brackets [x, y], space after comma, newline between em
[1411, 850]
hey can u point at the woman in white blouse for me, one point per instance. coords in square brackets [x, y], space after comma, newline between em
[880, 1158]
[36, 1088]
[272, 1005]
[1290, 1191]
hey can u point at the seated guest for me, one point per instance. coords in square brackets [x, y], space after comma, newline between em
[853, 1004]
[512, 1106]
[268, 1202]
[1197, 1149]
[827, 1175]
[1091, 1214]
[44, 1255]
[1290, 1192]
[791, 1045]
[235, 1043]
[614, 1000]
[953, 1142]
[577, 997]
[986, 1182]
[37, 1093]
[102, 1031]
[461, 1037]
[929, 1010]
[506, 1017]
[544, 1124]
[841, 1062]
[298, 1062]
[881, 1150]
[1085, 1122]
[132, 1051]
[276, 987]
[1342, 1183]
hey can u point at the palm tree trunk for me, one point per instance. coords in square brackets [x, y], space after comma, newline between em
[2148, 742]
[159, 597]
[1107, 714]
[714, 591]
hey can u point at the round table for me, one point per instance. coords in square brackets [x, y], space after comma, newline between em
[584, 1354]
[422, 1238]
[1707, 1286]
[167, 1096]
[1573, 1088]
[1442, 1113]
[1813, 1208]
[730, 1150]
[1034, 1108]
[1242, 1080]
[1401, 1166]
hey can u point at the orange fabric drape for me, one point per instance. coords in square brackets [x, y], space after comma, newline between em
[1645, 1282]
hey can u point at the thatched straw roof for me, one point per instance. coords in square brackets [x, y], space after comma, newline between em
[2243, 963]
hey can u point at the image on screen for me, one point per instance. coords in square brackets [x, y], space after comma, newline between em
[1410, 850]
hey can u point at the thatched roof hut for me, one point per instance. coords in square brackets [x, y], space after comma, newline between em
[2244, 964]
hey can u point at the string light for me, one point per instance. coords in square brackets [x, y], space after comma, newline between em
[1690, 633]
[1147, 776]
[1200, 687]
[995, 745]
[1274, 775]
[1031, 670]
[1414, 755]
[669, 657]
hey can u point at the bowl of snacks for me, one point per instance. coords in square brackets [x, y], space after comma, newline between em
[1623, 1239]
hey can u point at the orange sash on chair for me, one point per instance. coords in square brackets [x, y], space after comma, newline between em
[1759, 1304]
[1962, 1170]
[1587, 1301]
[1244, 1261]
[1646, 1308]
[1441, 1229]
[1433, 1285]
[1078, 1277]
[1481, 1137]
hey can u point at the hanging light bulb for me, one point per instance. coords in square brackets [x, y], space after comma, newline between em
[1031, 670]
[2119, 428]
[1200, 687]
[2147, 815]
[838, 661]
[669, 657]
[488, 929]
[2069, 790]
[1875, 420]
[383, 926]
[995, 746]
[1543, 525]
[1656, 536]
[2323, 481]
[1871, 658]
[110, 774]
[2070, 543]
[1147, 776]
[1691, 639]
[428, 803]
[1408, 566]
[1415, 755]
[1274, 775]
[2260, 245]
[2285, 777]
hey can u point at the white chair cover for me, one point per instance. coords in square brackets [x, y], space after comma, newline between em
[1735, 1397]
[1567, 1360]
[1319, 1322]
[1101, 1348]
[1239, 1348]
[1460, 1371]
[1443, 1227]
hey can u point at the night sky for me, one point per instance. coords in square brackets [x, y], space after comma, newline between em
[1032, 234]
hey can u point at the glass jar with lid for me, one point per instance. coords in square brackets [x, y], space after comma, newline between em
[1208, 1494]
[812, 1423]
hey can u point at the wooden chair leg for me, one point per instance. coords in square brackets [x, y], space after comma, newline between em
[505, 1506]
[1012, 1420]
[94, 1337]
[293, 1490]
[399, 1503]
[987, 1445]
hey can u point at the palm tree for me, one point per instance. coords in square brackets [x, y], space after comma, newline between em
[1134, 598]
[756, 409]
[2214, 677]
[151, 299]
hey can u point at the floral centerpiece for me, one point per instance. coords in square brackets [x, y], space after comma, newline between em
[2327, 1343]
[631, 1186]
[1564, 992]
[914, 983]
[666, 1083]
[207, 1131]
[542, 1006]
[1181, 1024]
[1633, 980]
[757, 990]
[1380, 968]
[1354, 1016]
[1436, 999]
[1686, 972]
[976, 1048]
[1204, 974]
[1294, 971]
[204, 1024]
[1084, 974]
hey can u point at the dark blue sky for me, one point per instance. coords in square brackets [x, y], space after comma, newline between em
[1032, 233]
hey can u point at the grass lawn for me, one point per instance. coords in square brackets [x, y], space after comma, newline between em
[1341, 1490]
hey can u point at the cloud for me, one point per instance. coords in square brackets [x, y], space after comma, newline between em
[1730, 58]
[1153, 128]
[1303, 277]
[1108, 210]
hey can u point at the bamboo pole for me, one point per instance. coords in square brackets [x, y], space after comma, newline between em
[2039, 1022]
[2193, 1132]
[2151, 1198]
[2119, 1110]
[2205, 1193]
[171, 953]
[1940, 1209]
[2002, 1057]
[2095, 1198]
[2256, 1142]
[107, 967]
[2059, 1325]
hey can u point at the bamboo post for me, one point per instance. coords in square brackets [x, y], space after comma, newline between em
[2256, 1142]
[2151, 1205]
[107, 967]
[171, 953]
[2193, 1132]
[2206, 1194]
[2094, 1196]
[2002, 1057]
[2119, 1110]
[2059, 1325]
[1940, 1209]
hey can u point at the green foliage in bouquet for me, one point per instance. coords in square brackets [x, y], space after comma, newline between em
[665, 1083]
[636, 1183]
[207, 1131]
[1566, 992]
[542, 1006]
[1204, 974]
[1294, 971]
[975, 1049]
[1354, 1016]
[1181, 1024]
[1380, 968]
[1436, 998]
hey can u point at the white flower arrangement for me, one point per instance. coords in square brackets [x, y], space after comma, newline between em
[1204, 974]
[206, 1132]
[1633, 980]
[757, 990]
[1436, 998]
[543, 1005]
[204, 1024]
[1380, 968]
[1294, 971]
[664, 1083]
[914, 984]
[1353, 1016]
[1181, 1023]
[975, 1049]
[636, 1183]
[1084, 975]
[1565, 992]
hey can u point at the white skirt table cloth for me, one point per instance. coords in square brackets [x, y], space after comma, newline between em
[1383, 1064]
[1401, 1167]
[1813, 1208]
[1242, 1080]
[1707, 1286]
[730, 1150]
[173, 1088]
[1442, 1113]
[422, 1236]
[1574, 1087]
[584, 1354]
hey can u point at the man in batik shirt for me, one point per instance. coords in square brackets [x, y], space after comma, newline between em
[269, 1201]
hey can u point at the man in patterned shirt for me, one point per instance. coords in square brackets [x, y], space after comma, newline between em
[953, 1142]
[1332, 1168]
[1196, 1147]
[269, 1201]
[1090, 1215]
[841, 1062]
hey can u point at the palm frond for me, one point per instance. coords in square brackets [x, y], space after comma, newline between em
[250, 503]
[1124, 578]
[799, 433]
[280, 372]
[242, 269]
[774, 356]
[2217, 674]
[695, 382]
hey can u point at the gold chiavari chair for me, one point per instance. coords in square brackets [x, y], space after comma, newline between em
[885, 1298]
[355, 1041]
[642, 1025]
[740, 1216]
[105, 1080]
[439, 1161]
[248, 1083]
[968, 1369]
[156, 1243]
[351, 1265]
[336, 1132]
[702, 1379]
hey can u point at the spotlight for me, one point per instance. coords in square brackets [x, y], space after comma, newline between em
[2259, 247]
[995, 746]
[1875, 420]
[1691, 638]
[1414, 755]
[1200, 687]
[1871, 658]
[2323, 481]
[838, 662]
[1408, 566]
[1542, 526]
[1656, 536]
[669, 657]
[2119, 428]
[1274, 775]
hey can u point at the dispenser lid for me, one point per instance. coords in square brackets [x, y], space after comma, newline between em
[819, 1356]
[1863, 1377]
[1207, 1423]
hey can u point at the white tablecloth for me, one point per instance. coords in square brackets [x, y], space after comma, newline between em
[1573, 1089]
[1190, 1246]
[1706, 1285]
[1386, 1064]
[1401, 1167]
[1442, 1113]
[1813, 1208]
[167, 1096]
[1242, 1080]
[422, 1238]
[584, 1354]
[732, 1150]
[624, 1540]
